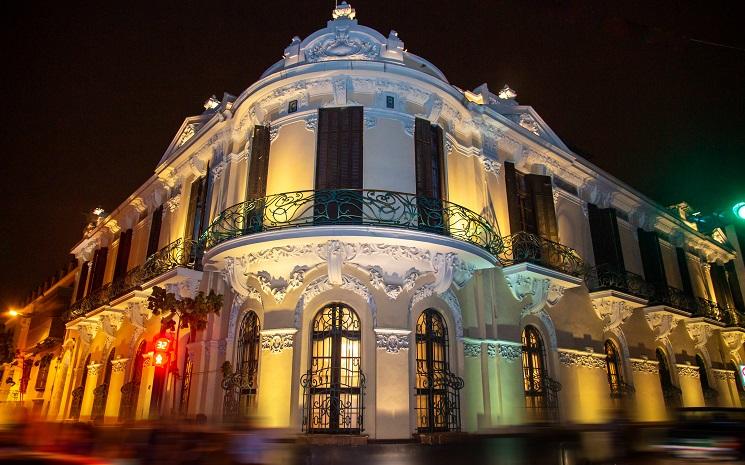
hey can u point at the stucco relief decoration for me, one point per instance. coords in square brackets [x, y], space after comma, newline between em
[323, 284]
[700, 332]
[278, 288]
[733, 339]
[542, 291]
[94, 369]
[379, 281]
[119, 365]
[88, 331]
[392, 340]
[472, 349]
[613, 312]
[529, 123]
[173, 203]
[662, 323]
[723, 375]
[342, 45]
[509, 352]
[582, 359]
[335, 253]
[688, 371]
[275, 341]
[645, 366]
[186, 134]
[311, 122]
[443, 270]
[491, 350]
[450, 299]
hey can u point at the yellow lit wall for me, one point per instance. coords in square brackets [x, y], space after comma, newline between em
[275, 381]
[392, 397]
[692, 395]
[388, 157]
[648, 400]
[584, 394]
[292, 160]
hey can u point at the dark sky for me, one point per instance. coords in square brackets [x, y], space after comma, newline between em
[94, 92]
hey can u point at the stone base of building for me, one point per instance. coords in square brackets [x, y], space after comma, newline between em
[433, 439]
[333, 439]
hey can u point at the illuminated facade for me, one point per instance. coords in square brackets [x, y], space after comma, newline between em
[396, 256]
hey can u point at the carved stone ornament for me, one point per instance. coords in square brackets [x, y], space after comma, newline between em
[645, 366]
[392, 340]
[379, 281]
[542, 291]
[700, 332]
[733, 339]
[277, 340]
[723, 375]
[581, 359]
[94, 369]
[663, 323]
[173, 203]
[472, 349]
[278, 288]
[119, 365]
[323, 284]
[509, 352]
[450, 299]
[613, 312]
[688, 371]
[529, 123]
[342, 45]
[491, 350]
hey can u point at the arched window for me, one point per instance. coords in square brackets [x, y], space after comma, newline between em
[43, 373]
[710, 394]
[241, 387]
[101, 393]
[670, 392]
[334, 385]
[77, 393]
[131, 390]
[437, 399]
[541, 399]
[613, 369]
[186, 383]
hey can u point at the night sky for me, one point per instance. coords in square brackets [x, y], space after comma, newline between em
[94, 92]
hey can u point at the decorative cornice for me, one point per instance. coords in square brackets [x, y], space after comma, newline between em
[392, 340]
[509, 351]
[119, 365]
[94, 369]
[645, 366]
[277, 340]
[689, 371]
[723, 375]
[471, 349]
[570, 357]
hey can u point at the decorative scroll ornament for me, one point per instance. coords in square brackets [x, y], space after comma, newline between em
[645, 366]
[688, 371]
[582, 359]
[542, 291]
[392, 340]
[472, 349]
[663, 323]
[733, 338]
[323, 284]
[336, 253]
[509, 352]
[377, 280]
[613, 312]
[119, 365]
[529, 123]
[342, 45]
[279, 292]
[275, 341]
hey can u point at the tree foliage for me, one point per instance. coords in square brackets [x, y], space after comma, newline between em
[192, 313]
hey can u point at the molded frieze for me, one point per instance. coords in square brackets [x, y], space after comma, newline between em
[94, 369]
[277, 340]
[119, 365]
[472, 349]
[688, 371]
[392, 340]
[569, 357]
[645, 366]
[509, 352]
[723, 375]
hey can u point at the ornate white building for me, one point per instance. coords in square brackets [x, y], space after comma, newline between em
[396, 256]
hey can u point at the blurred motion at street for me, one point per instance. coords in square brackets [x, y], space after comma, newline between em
[698, 435]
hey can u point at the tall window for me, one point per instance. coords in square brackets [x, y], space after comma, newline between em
[101, 393]
[41, 376]
[710, 394]
[540, 391]
[430, 175]
[613, 368]
[186, 383]
[437, 398]
[530, 203]
[670, 392]
[131, 390]
[248, 362]
[77, 393]
[258, 170]
[334, 385]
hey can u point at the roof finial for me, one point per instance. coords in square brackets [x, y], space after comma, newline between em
[343, 10]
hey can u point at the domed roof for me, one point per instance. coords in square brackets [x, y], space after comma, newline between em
[344, 39]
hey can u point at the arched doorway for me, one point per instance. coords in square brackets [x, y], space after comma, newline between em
[241, 387]
[670, 392]
[437, 389]
[131, 390]
[333, 388]
[541, 392]
[78, 392]
[619, 390]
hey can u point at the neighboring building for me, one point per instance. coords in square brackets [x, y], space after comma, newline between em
[396, 256]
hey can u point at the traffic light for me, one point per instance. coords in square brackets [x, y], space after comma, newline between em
[160, 357]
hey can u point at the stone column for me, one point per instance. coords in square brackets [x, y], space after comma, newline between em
[146, 388]
[275, 377]
[212, 377]
[472, 403]
[510, 382]
[91, 384]
[114, 397]
[392, 384]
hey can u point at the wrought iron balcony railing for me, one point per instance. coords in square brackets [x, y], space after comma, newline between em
[608, 277]
[333, 400]
[523, 247]
[697, 306]
[352, 207]
[178, 253]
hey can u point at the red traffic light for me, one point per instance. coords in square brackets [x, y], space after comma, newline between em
[162, 344]
[160, 359]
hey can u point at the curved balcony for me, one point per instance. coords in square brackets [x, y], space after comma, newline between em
[178, 253]
[352, 207]
[524, 247]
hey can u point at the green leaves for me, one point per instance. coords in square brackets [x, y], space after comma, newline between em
[192, 313]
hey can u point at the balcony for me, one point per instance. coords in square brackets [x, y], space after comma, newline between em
[174, 255]
[350, 207]
[541, 268]
[697, 306]
[615, 293]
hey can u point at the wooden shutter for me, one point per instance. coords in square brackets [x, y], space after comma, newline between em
[99, 268]
[606, 241]
[685, 274]
[339, 148]
[721, 286]
[734, 286]
[429, 159]
[196, 215]
[154, 237]
[259, 167]
[654, 267]
[122, 253]
[80, 292]
[542, 194]
[513, 197]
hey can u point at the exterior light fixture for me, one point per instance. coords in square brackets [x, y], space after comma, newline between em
[739, 210]
[12, 312]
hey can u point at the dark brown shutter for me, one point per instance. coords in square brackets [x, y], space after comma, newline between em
[513, 197]
[721, 286]
[428, 154]
[122, 254]
[80, 293]
[154, 237]
[734, 286]
[259, 167]
[543, 203]
[654, 267]
[685, 274]
[606, 241]
[196, 215]
[339, 148]
[99, 268]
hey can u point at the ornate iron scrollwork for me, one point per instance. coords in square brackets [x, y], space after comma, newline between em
[333, 401]
[99, 402]
[352, 206]
[77, 402]
[129, 391]
[606, 276]
[523, 247]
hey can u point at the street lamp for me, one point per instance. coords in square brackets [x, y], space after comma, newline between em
[12, 312]
[739, 210]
